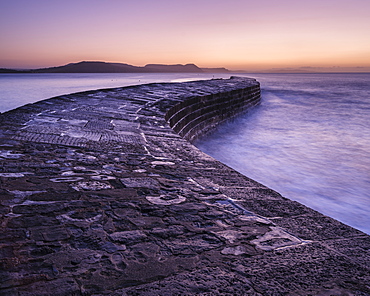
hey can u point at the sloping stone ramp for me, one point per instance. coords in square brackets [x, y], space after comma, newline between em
[99, 196]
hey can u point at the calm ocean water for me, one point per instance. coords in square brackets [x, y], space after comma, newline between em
[309, 139]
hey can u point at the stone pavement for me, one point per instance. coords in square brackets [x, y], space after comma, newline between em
[99, 196]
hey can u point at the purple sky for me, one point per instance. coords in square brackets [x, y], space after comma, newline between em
[235, 34]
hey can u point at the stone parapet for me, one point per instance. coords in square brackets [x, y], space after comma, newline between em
[195, 116]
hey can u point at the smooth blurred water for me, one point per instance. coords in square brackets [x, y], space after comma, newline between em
[309, 140]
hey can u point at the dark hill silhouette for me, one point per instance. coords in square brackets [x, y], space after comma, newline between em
[91, 67]
[103, 67]
[4, 70]
[190, 68]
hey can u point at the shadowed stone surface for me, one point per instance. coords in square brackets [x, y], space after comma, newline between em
[99, 196]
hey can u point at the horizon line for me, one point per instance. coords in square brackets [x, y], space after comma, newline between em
[282, 70]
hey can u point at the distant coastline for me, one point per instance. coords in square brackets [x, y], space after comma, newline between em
[103, 67]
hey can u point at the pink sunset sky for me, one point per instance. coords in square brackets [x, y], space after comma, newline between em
[237, 34]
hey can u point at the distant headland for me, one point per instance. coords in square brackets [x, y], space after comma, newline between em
[103, 67]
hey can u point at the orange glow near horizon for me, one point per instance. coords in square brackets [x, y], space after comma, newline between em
[236, 34]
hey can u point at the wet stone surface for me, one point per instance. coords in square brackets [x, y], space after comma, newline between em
[100, 197]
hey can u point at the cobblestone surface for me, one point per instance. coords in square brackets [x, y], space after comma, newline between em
[100, 197]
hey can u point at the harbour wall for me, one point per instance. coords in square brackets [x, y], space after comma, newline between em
[197, 115]
[100, 196]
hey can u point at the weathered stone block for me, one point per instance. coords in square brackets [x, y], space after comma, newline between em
[133, 236]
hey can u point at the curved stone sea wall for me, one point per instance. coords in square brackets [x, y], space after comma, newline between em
[196, 115]
[100, 196]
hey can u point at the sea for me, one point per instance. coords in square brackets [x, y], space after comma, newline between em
[309, 139]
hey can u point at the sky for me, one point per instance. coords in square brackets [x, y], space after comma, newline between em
[236, 34]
